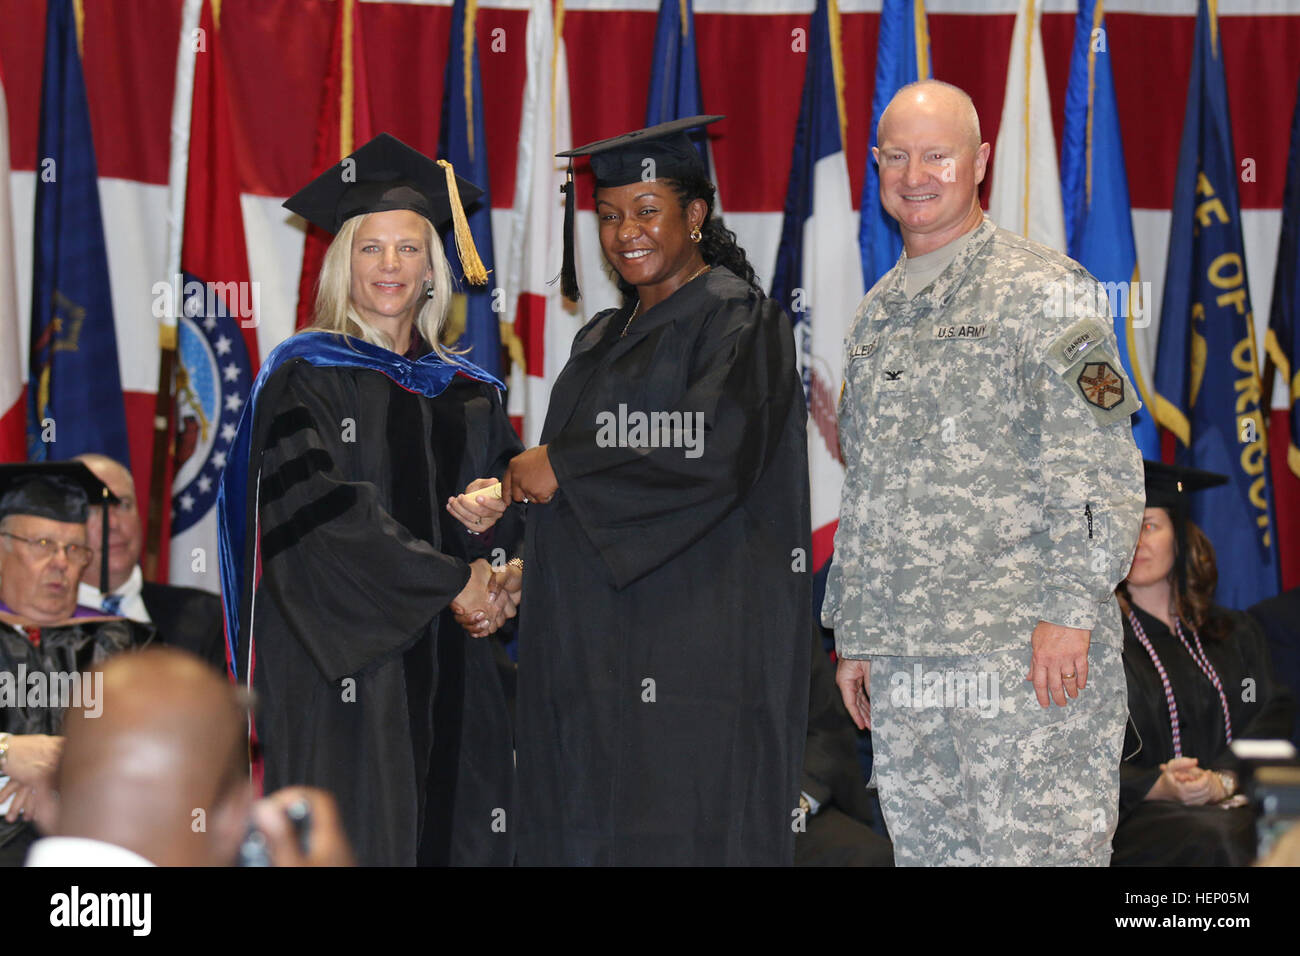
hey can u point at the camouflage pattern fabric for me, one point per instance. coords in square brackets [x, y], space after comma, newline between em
[973, 772]
[989, 465]
[991, 481]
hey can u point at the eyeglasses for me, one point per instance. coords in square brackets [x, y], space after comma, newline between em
[44, 549]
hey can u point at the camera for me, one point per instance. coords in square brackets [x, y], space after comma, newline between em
[253, 850]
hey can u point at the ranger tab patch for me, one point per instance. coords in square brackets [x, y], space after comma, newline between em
[1080, 341]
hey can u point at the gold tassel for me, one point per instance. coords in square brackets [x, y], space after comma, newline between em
[475, 271]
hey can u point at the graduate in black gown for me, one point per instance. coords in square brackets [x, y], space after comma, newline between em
[45, 636]
[663, 664]
[1199, 677]
[340, 565]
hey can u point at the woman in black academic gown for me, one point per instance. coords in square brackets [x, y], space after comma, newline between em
[339, 566]
[663, 670]
[1199, 677]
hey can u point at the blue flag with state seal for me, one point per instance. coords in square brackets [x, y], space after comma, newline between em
[675, 73]
[1207, 382]
[462, 141]
[75, 387]
[1094, 193]
[902, 57]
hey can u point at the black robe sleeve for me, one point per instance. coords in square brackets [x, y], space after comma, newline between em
[83, 645]
[640, 507]
[1263, 708]
[489, 442]
[188, 618]
[351, 582]
[1135, 781]
[1280, 619]
[831, 772]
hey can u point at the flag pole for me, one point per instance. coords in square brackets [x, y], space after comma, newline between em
[164, 402]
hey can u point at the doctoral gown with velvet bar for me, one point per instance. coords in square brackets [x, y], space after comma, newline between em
[663, 671]
[1164, 832]
[366, 685]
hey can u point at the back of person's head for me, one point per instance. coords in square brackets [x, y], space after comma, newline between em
[162, 768]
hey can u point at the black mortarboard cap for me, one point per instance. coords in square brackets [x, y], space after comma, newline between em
[621, 160]
[1168, 486]
[386, 174]
[58, 490]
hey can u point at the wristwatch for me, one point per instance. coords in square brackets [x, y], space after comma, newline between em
[1228, 780]
[4, 749]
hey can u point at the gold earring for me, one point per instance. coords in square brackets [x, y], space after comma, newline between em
[696, 235]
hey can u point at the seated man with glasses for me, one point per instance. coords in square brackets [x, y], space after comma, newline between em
[48, 644]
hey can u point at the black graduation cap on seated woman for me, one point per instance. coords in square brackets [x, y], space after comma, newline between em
[621, 160]
[59, 491]
[386, 174]
[1171, 487]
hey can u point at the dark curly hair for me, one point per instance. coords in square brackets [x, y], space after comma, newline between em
[718, 244]
[1194, 597]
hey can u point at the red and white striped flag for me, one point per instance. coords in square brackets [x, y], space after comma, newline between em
[544, 322]
[13, 420]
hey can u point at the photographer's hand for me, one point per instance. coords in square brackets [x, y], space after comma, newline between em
[327, 843]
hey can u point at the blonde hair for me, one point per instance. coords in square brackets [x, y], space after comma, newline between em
[333, 311]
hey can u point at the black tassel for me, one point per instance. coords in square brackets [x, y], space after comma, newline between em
[569, 270]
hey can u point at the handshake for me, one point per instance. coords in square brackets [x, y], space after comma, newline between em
[492, 595]
[489, 599]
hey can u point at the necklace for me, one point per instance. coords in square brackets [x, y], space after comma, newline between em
[1201, 660]
[637, 308]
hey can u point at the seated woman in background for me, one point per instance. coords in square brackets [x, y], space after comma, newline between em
[1199, 677]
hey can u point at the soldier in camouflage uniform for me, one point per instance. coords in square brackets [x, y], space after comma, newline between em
[992, 501]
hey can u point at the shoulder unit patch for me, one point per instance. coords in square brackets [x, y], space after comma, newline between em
[1101, 385]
